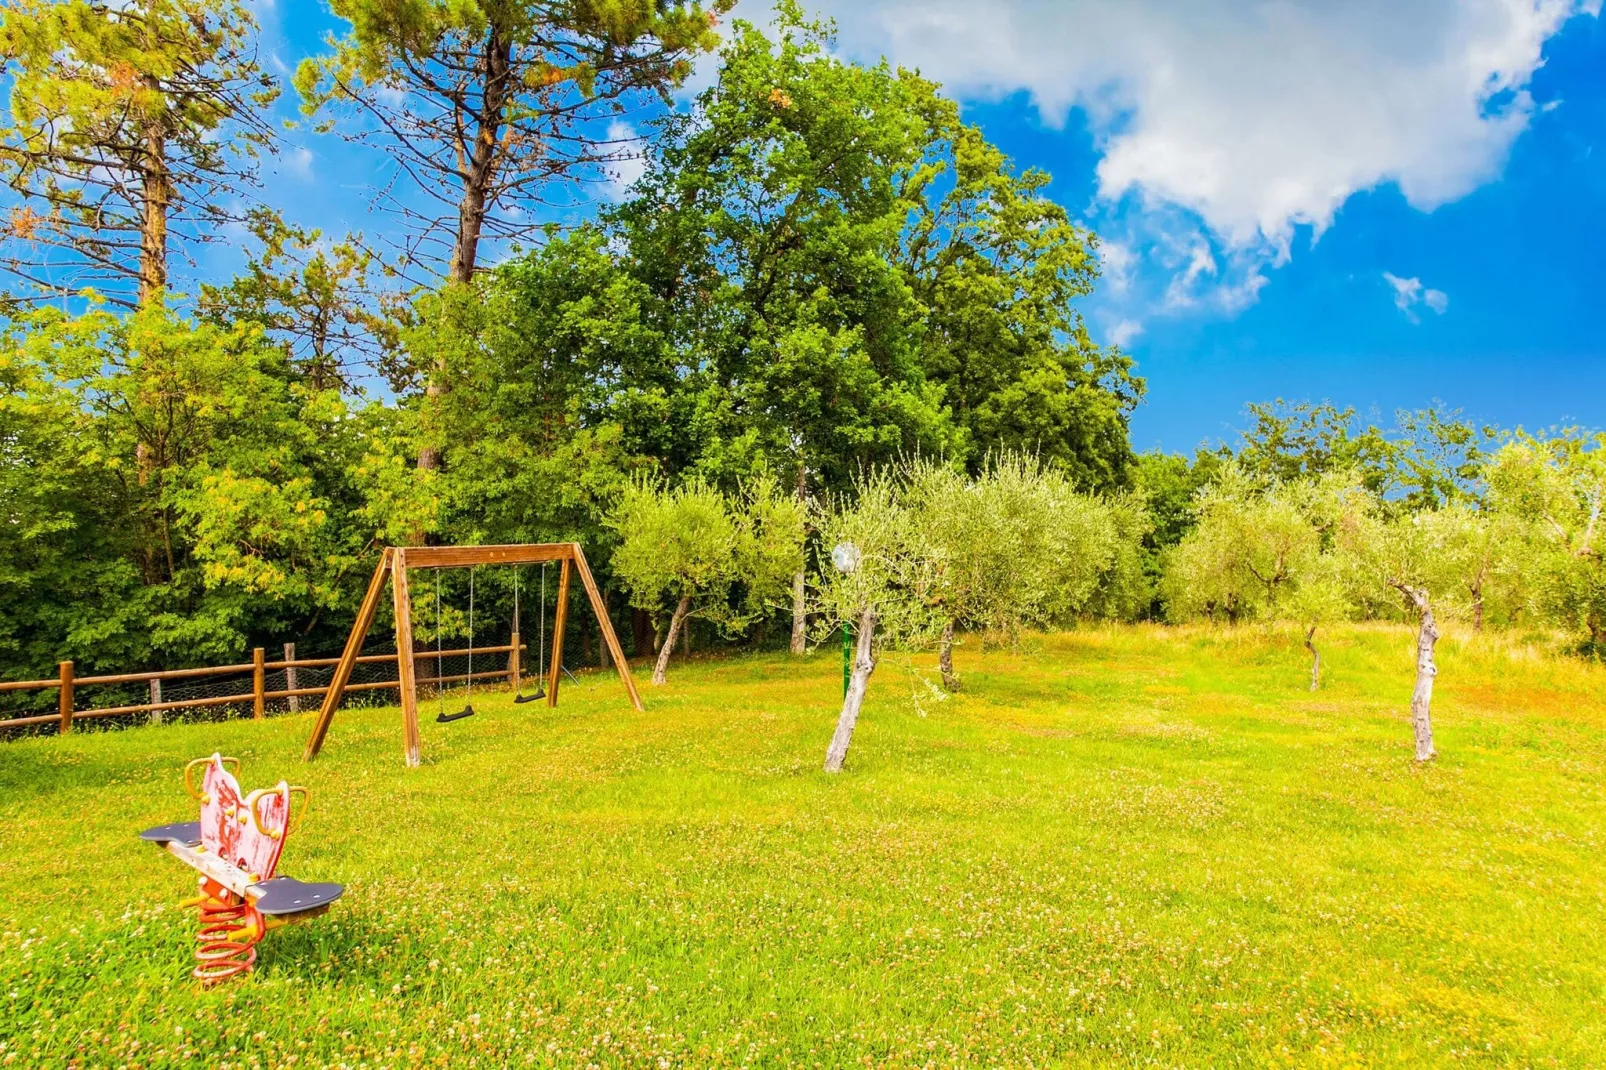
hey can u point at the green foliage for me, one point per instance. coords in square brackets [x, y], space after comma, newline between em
[995, 268]
[727, 559]
[316, 299]
[127, 121]
[179, 490]
[1550, 492]
[1013, 548]
[1253, 546]
[789, 286]
[1429, 458]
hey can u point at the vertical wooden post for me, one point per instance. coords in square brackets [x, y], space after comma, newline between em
[64, 706]
[348, 659]
[259, 683]
[156, 700]
[406, 677]
[291, 677]
[603, 621]
[555, 673]
[513, 664]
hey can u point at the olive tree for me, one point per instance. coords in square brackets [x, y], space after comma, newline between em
[1016, 546]
[1419, 557]
[1264, 550]
[1547, 495]
[722, 558]
[882, 581]
[1245, 555]
[1321, 597]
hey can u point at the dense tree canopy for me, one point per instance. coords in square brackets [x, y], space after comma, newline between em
[827, 311]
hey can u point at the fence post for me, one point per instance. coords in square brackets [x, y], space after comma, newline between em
[259, 679]
[513, 665]
[156, 700]
[65, 705]
[290, 676]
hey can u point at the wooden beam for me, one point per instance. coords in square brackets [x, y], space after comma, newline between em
[405, 676]
[64, 706]
[259, 683]
[463, 556]
[561, 618]
[348, 658]
[600, 608]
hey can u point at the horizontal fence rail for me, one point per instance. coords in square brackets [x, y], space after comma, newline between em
[67, 684]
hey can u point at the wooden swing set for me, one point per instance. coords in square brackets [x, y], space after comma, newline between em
[393, 565]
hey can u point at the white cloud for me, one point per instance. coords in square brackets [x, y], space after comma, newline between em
[1258, 116]
[298, 161]
[1122, 332]
[627, 163]
[1253, 118]
[1116, 262]
[1410, 293]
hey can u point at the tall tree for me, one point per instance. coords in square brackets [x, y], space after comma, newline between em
[484, 103]
[131, 124]
[996, 269]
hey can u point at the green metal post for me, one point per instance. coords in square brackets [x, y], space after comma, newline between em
[847, 655]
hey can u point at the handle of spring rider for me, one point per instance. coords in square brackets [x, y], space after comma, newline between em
[189, 785]
[284, 791]
[298, 816]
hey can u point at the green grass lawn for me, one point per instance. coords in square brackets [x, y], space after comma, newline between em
[1117, 847]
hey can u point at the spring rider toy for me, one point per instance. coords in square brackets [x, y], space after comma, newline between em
[236, 847]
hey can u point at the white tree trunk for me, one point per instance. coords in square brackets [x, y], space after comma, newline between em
[660, 669]
[1427, 634]
[1315, 658]
[800, 616]
[945, 658]
[858, 683]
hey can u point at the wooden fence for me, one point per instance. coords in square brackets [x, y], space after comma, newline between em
[67, 684]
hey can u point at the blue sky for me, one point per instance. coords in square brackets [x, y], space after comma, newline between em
[1379, 204]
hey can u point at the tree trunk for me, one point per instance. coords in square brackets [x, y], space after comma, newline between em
[1315, 658]
[157, 192]
[945, 658]
[641, 632]
[661, 669]
[1477, 606]
[800, 616]
[479, 168]
[858, 683]
[479, 172]
[1427, 634]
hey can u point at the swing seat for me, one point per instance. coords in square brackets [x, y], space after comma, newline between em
[539, 693]
[447, 718]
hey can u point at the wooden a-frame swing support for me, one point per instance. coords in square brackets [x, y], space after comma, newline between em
[393, 565]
